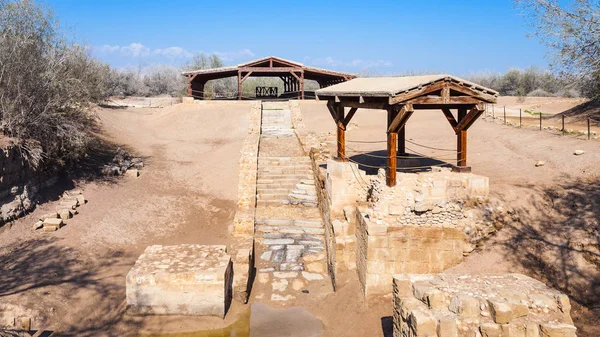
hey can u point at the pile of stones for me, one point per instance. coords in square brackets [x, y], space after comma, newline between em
[66, 209]
[123, 164]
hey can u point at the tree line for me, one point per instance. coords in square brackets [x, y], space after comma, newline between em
[49, 83]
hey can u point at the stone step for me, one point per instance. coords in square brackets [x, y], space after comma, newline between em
[269, 203]
[289, 222]
[292, 181]
[282, 191]
[275, 197]
[289, 230]
[300, 174]
[276, 185]
[303, 197]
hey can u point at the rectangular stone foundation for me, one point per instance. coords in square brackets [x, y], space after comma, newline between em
[383, 251]
[180, 280]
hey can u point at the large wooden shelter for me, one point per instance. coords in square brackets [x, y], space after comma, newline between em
[293, 75]
[401, 97]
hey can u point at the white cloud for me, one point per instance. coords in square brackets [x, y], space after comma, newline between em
[137, 49]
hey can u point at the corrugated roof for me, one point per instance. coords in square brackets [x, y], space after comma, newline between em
[390, 86]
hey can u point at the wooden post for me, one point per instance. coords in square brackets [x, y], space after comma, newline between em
[563, 124]
[392, 139]
[505, 115]
[520, 118]
[493, 113]
[402, 140]
[189, 85]
[341, 133]
[239, 85]
[461, 141]
[302, 84]
[540, 120]
[589, 129]
[392, 143]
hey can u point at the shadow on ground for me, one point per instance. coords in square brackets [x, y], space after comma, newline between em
[557, 241]
[58, 275]
[371, 162]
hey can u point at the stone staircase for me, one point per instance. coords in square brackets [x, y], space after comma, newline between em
[285, 181]
[277, 123]
[288, 231]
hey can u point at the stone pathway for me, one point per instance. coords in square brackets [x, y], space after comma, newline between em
[289, 233]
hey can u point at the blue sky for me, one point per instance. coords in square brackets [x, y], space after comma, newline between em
[380, 37]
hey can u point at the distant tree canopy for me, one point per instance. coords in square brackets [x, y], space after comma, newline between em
[572, 32]
[529, 82]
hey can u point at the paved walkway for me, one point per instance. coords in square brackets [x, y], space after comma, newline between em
[289, 233]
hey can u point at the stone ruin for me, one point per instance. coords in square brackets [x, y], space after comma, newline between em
[399, 240]
[507, 305]
[181, 280]
[123, 164]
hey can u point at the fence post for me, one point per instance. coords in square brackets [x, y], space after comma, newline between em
[540, 120]
[563, 124]
[505, 115]
[493, 113]
[520, 118]
[589, 130]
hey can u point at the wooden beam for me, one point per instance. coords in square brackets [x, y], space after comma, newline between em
[473, 93]
[400, 118]
[365, 105]
[331, 106]
[469, 119]
[349, 116]
[445, 96]
[271, 70]
[245, 77]
[442, 100]
[450, 118]
[302, 84]
[296, 76]
[405, 96]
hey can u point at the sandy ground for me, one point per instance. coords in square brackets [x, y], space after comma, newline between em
[559, 203]
[185, 194]
[187, 191]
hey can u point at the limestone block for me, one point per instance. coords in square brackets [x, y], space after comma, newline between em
[53, 222]
[490, 330]
[447, 327]
[65, 214]
[181, 280]
[464, 305]
[422, 323]
[501, 311]
[557, 330]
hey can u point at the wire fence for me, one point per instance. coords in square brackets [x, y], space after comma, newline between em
[588, 128]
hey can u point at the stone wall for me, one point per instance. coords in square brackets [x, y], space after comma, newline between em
[506, 305]
[19, 184]
[383, 250]
[242, 229]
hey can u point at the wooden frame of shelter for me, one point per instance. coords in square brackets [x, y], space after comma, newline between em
[401, 97]
[293, 75]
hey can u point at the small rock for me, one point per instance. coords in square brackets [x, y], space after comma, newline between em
[540, 163]
[132, 173]
[578, 152]
[38, 225]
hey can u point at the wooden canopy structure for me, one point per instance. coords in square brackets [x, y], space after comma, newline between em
[293, 75]
[401, 97]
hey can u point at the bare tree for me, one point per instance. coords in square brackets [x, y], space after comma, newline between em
[573, 33]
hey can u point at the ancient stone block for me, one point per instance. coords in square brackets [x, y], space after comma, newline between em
[464, 305]
[53, 222]
[422, 323]
[181, 280]
[501, 311]
[557, 330]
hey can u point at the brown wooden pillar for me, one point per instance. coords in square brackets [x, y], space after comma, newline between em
[302, 84]
[461, 141]
[239, 85]
[392, 143]
[341, 133]
[402, 140]
[189, 87]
